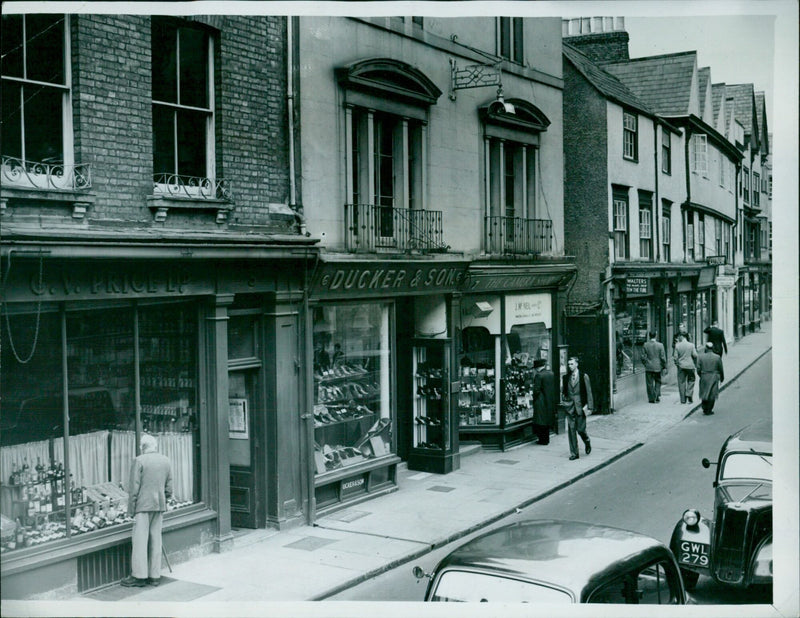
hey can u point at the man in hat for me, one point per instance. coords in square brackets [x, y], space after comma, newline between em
[709, 366]
[576, 394]
[717, 336]
[655, 361]
[544, 401]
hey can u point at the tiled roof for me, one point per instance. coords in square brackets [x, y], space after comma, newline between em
[663, 82]
[608, 85]
[761, 118]
[703, 77]
[717, 97]
[743, 100]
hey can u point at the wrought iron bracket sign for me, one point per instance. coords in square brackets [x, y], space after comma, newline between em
[473, 76]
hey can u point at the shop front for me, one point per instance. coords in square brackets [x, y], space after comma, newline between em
[96, 352]
[664, 301]
[381, 339]
[508, 317]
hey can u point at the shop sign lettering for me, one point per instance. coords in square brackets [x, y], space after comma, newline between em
[528, 309]
[636, 285]
[387, 279]
[111, 284]
[353, 486]
[511, 282]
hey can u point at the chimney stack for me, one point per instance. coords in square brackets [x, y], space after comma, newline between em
[602, 39]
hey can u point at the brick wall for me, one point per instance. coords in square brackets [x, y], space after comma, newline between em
[113, 115]
[585, 184]
[603, 46]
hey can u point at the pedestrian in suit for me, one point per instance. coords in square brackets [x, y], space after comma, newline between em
[655, 361]
[709, 366]
[685, 357]
[576, 393]
[150, 486]
[544, 408]
[717, 336]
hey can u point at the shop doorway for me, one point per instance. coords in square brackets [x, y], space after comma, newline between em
[243, 440]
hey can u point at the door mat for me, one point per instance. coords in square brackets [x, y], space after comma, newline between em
[310, 543]
[441, 488]
[507, 462]
[169, 590]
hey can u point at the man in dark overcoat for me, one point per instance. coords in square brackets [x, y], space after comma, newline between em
[717, 336]
[709, 367]
[544, 400]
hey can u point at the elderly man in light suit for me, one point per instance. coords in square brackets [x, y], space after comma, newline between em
[150, 486]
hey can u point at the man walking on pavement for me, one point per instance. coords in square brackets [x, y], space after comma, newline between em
[655, 361]
[150, 486]
[576, 393]
[709, 366]
[544, 389]
[685, 357]
[717, 336]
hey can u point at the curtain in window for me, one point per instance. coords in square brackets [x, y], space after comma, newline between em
[176, 446]
[88, 457]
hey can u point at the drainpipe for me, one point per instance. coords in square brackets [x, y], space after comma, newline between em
[656, 202]
[684, 219]
[290, 61]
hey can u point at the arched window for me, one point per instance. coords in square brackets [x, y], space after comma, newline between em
[514, 222]
[386, 116]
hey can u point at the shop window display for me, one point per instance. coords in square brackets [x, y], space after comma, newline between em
[47, 493]
[632, 323]
[477, 400]
[352, 385]
[525, 343]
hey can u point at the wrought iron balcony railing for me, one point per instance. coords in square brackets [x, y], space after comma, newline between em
[19, 173]
[192, 187]
[517, 236]
[370, 228]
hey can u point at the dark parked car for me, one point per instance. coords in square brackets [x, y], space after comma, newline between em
[735, 547]
[550, 561]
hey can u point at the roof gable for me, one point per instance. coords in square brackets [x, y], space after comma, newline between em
[745, 106]
[608, 85]
[666, 84]
[704, 93]
[761, 119]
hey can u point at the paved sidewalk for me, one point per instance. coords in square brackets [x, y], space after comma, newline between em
[428, 510]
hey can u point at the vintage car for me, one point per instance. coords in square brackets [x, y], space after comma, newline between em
[735, 547]
[551, 561]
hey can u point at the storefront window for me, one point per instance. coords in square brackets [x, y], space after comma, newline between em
[477, 401]
[39, 478]
[526, 343]
[633, 321]
[352, 385]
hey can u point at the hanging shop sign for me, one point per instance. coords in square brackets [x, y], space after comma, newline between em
[715, 260]
[706, 277]
[343, 279]
[636, 285]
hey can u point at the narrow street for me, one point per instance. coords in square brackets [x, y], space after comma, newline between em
[646, 491]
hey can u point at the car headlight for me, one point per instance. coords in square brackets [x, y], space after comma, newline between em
[691, 517]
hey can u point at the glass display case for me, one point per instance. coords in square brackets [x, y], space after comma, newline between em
[432, 440]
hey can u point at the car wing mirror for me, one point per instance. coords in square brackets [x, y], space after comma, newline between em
[419, 572]
[707, 464]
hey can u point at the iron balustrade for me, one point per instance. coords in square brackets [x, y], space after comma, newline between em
[192, 187]
[515, 235]
[370, 228]
[45, 176]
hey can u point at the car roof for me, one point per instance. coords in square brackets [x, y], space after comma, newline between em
[756, 436]
[568, 554]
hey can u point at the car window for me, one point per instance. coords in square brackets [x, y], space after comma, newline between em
[467, 586]
[746, 466]
[648, 586]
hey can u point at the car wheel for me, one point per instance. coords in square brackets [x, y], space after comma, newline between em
[689, 579]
